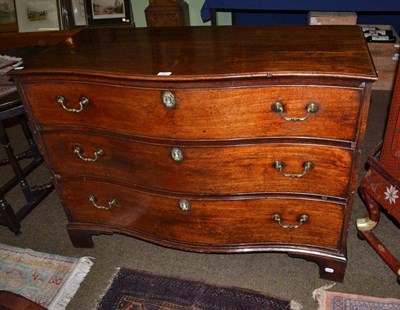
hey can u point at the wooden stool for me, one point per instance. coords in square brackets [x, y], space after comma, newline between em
[380, 188]
[11, 108]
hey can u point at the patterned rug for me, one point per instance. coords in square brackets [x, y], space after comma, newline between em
[132, 289]
[49, 280]
[328, 300]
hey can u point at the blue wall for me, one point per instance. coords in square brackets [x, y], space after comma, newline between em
[299, 18]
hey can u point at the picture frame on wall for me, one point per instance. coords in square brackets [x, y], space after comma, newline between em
[108, 12]
[79, 12]
[8, 16]
[37, 15]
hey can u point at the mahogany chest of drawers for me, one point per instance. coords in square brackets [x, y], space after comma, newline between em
[207, 139]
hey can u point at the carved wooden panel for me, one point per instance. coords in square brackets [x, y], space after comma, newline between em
[167, 13]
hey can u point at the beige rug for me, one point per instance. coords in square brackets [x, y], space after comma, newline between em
[47, 279]
[328, 300]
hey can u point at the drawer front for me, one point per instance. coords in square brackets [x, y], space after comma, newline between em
[207, 222]
[200, 113]
[204, 169]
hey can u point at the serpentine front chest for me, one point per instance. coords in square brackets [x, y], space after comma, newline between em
[207, 139]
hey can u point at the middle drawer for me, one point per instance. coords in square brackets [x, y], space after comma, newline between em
[211, 169]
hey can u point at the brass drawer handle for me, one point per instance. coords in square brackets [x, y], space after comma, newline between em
[184, 204]
[176, 154]
[112, 202]
[308, 165]
[98, 152]
[303, 219]
[169, 100]
[82, 103]
[310, 108]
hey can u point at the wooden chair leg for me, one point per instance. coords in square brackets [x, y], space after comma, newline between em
[365, 227]
[8, 218]
[33, 194]
[369, 222]
[12, 301]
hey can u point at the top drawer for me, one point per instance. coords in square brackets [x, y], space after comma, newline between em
[200, 113]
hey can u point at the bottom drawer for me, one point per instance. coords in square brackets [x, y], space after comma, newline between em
[204, 221]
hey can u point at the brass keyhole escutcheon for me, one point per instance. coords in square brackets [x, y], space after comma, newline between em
[184, 204]
[176, 154]
[169, 100]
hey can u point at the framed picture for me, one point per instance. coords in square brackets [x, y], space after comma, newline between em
[37, 15]
[108, 12]
[78, 12]
[8, 17]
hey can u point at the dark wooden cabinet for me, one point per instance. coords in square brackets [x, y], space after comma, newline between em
[208, 139]
[167, 13]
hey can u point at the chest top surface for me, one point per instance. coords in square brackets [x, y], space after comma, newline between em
[206, 53]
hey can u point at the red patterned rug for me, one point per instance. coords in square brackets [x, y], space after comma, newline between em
[328, 300]
[132, 289]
